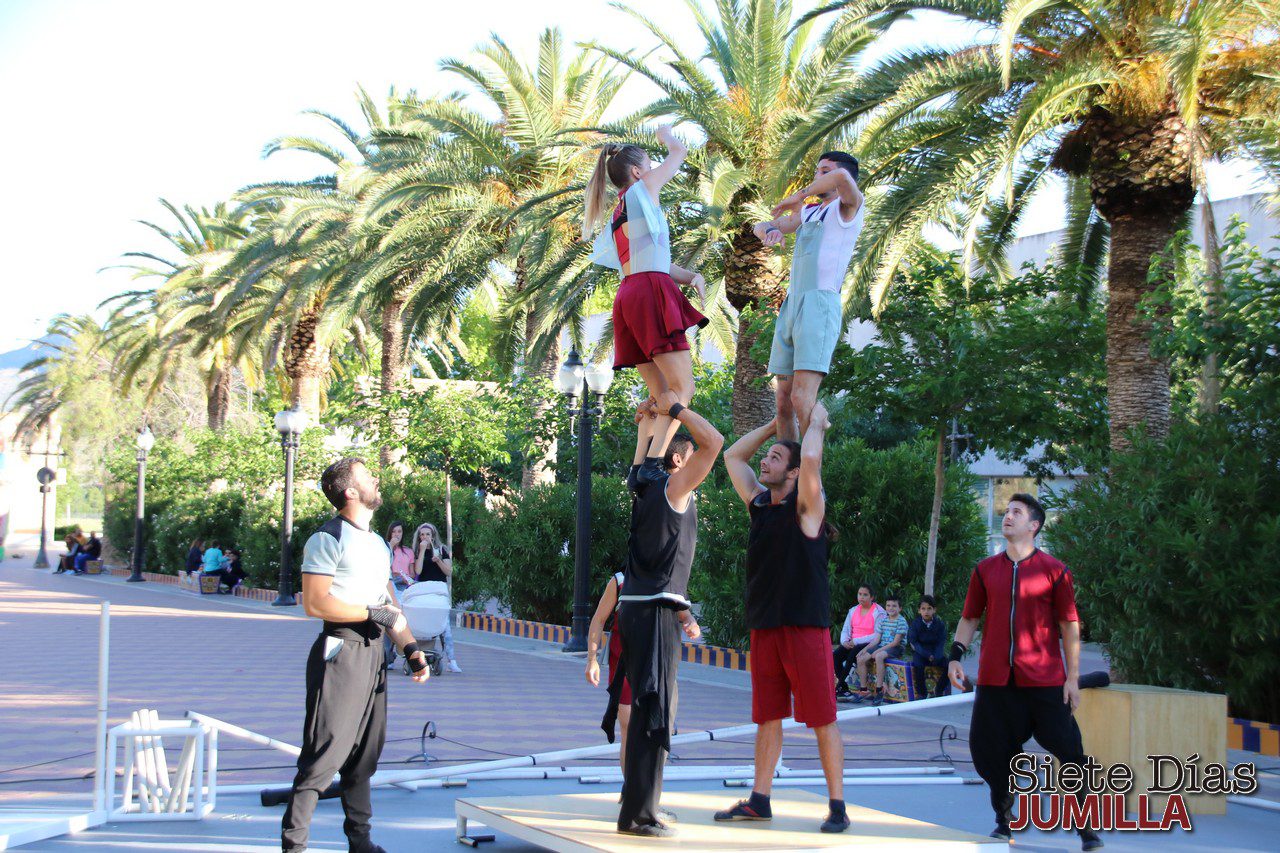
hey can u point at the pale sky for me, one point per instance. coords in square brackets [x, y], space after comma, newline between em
[108, 107]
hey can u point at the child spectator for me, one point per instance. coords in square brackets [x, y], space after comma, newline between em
[928, 637]
[858, 631]
[891, 634]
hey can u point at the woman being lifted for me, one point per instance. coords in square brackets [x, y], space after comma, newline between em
[650, 313]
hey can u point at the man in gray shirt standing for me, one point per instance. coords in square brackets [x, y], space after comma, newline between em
[346, 581]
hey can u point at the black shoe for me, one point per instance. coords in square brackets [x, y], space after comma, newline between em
[835, 822]
[1089, 840]
[364, 845]
[649, 830]
[1002, 832]
[741, 810]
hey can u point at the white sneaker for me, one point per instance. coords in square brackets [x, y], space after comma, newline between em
[453, 666]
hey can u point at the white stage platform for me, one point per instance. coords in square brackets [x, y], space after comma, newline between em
[587, 822]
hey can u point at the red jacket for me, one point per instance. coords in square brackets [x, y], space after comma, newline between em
[1045, 596]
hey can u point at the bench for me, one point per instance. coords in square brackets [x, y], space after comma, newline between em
[899, 677]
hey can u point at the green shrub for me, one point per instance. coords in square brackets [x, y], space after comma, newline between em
[258, 533]
[1174, 551]
[208, 517]
[522, 554]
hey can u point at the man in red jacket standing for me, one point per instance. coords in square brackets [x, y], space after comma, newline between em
[1023, 689]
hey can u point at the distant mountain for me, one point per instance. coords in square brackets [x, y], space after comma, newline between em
[14, 359]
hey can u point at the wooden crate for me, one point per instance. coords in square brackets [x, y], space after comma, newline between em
[1128, 722]
[93, 567]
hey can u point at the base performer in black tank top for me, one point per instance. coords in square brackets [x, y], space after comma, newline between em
[788, 608]
[653, 609]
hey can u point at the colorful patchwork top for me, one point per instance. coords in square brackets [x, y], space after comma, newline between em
[637, 238]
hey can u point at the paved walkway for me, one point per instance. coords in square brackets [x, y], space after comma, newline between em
[242, 662]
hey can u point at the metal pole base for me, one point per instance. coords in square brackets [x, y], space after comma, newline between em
[284, 601]
[577, 643]
[42, 560]
[137, 578]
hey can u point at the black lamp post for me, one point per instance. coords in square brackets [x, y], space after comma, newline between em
[44, 476]
[145, 442]
[579, 384]
[290, 423]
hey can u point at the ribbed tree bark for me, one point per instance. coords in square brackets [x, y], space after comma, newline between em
[306, 364]
[1137, 381]
[393, 372]
[751, 275]
[1210, 373]
[1142, 180]
[935, 514]
[218, 401]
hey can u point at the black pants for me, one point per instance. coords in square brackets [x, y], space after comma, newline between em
[1004, 719]
[845, 660]
[345, 728]
[918, 663]
[650, 657]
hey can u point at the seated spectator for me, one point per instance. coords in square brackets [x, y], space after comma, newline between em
[66, 562]
[859, 630]
[92, 550]
[195, 557]
[211, 562]
[234, 573]
[891, 637]
[928, 638]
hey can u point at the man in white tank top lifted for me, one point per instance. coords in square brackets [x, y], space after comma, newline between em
[810, 321]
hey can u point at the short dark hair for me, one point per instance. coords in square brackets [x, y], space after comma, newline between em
[845, 161]
[337, 478]
[793, 448]
[680, 443]
[929, 600]
[893, 596]
[871, 591]
[1034, 507]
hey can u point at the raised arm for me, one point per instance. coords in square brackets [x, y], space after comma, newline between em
[771, 233]
[837, 179]
[810, 498]
[709, 440]
[738, 460]
[657, 177]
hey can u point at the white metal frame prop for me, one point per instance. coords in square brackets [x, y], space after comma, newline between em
[188, 793]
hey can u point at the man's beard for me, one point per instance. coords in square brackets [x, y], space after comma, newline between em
[372, 501]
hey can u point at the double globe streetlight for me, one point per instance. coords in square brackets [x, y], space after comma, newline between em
[580, 383]
[290, 424]
[145, 441]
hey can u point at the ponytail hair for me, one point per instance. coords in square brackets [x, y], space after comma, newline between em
[613, 165]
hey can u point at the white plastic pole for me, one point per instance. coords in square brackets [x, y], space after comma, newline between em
[792, 782]
[245, 734]
[557, 757]
[100, 747]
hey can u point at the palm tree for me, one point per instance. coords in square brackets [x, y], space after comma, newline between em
[48, 382]
[1132, 95]
[153, 331]
[762, 80]
[480, 204]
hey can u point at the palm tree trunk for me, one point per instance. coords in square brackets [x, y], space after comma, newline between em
[1137, 380]
[539, 468]
[935, 514]
[306, 364]
[1210, 375]
[218, 401]
[392, 377]
[751, 280]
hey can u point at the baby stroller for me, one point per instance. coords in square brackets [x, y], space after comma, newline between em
[426, 609]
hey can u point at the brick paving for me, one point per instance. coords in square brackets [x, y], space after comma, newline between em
[174, 650]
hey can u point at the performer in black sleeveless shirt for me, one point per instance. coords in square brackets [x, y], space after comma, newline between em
[788, 608]
[653, 609]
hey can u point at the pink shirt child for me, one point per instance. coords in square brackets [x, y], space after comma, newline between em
[860, 625]
[402, 563]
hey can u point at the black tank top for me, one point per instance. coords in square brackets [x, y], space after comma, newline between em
[787, 581]
[660, 551]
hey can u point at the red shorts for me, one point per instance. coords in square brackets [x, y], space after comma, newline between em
[615, 652]
[650, 317]
[788, 662]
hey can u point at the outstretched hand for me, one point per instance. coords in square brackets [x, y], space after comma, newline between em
[666, 400]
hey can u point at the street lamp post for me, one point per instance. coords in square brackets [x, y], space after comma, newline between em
[580, 384]
[44, 476]
[145, 442]
[290, 423]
